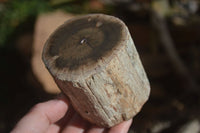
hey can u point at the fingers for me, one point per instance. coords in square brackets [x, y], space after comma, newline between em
[122, 127]
[42, 116]
[46, 117]
[76, 125]
[96, 129]
[54, 128]
[68, 116]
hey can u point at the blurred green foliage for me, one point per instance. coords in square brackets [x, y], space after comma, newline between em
[15, 12]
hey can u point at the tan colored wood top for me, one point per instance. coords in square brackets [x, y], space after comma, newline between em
[83, 45]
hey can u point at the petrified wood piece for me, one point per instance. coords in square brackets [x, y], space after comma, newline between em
[95, 63]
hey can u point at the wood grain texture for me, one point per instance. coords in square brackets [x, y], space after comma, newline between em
[105, 90]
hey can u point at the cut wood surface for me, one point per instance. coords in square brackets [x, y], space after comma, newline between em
[95, 63]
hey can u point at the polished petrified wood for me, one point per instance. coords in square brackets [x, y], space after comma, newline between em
[95, 63]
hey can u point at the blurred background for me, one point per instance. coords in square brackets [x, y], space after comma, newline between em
[166, 34]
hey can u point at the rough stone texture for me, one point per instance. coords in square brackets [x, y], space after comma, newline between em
[45, 25]
[112, 90]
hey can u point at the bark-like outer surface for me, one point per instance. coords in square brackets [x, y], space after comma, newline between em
[112, 89]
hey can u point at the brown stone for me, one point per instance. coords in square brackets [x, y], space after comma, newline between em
[95, 63]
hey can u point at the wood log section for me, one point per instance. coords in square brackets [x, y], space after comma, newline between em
[94, 62]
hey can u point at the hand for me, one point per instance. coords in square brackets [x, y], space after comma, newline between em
[57, 116]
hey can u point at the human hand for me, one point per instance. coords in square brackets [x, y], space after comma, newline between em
[58, 116]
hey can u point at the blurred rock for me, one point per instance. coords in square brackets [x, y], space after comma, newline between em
[191, 127]
[157, 128]
[189, 6]
[45, 25]
[96, 5]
